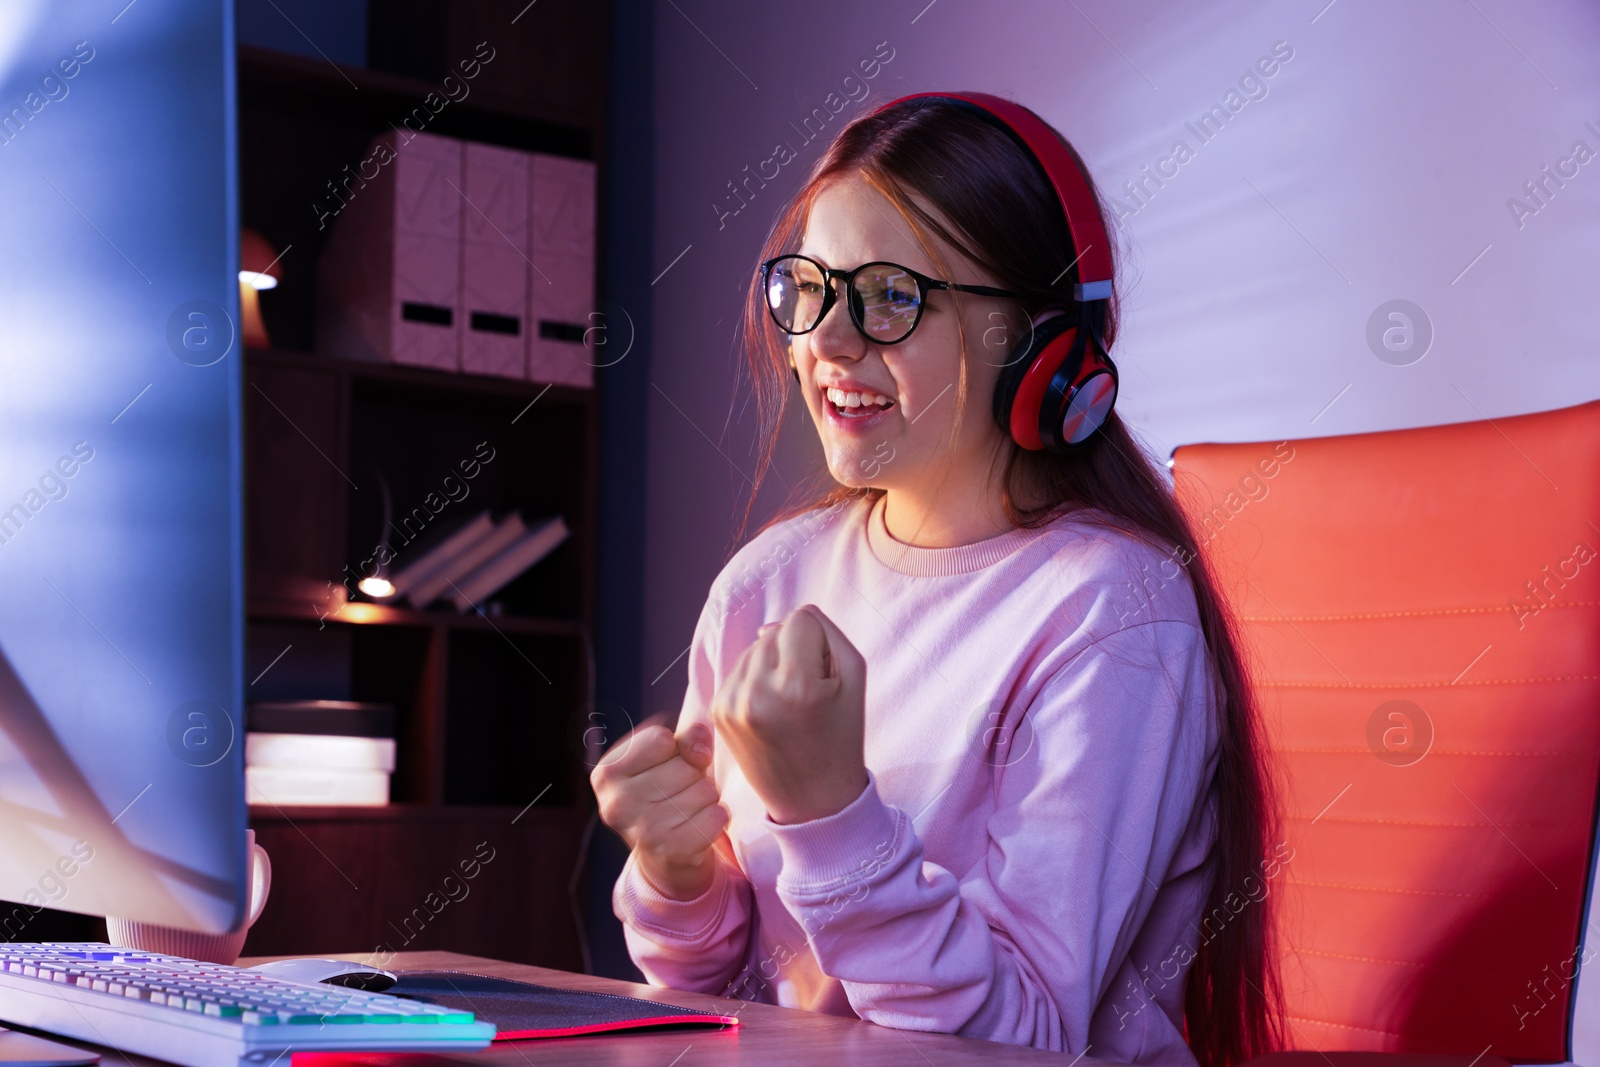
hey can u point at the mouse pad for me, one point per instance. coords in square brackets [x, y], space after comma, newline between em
[523, 1010]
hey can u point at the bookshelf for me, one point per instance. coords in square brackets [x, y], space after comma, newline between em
[491, 706]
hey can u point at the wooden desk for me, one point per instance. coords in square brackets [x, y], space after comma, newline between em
[767, 1035]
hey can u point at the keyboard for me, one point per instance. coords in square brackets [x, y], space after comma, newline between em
[208, 1015]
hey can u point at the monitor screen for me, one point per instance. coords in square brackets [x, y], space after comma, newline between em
[121, 624]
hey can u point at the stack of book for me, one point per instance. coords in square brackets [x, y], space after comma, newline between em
[332, 752]
[471, 561]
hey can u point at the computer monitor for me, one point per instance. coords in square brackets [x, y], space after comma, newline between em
[121, 571]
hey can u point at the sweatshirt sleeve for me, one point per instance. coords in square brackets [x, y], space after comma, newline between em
[1094, 796]
[697, 945]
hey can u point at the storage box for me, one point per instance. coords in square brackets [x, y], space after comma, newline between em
[495, 261]
[389, 277]
[561, 299]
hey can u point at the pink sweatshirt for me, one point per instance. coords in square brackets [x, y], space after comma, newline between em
[1029, 861]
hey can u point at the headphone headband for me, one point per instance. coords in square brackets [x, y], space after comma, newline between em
[1088, 231]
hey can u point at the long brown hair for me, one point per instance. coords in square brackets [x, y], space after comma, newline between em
[994, 206]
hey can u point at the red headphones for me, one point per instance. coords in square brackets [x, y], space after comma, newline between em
[1057, 388]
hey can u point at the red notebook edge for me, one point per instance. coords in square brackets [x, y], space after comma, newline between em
[727, 1021]
[338, 1058]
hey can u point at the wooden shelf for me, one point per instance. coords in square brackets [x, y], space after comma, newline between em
[427, 381]
[490, 709]
[488, 705]
[418, 877]
[335, 91]
[365, 613]
[317, 424]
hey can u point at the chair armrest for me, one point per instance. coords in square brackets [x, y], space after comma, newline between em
[1375, 1059]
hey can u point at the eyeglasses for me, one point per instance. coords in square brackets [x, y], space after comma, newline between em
[886, 299]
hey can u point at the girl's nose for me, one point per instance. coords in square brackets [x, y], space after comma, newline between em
[836, 337]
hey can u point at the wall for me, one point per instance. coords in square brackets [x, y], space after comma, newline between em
[1379, 163]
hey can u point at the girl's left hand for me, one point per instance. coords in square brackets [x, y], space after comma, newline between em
[792, 712]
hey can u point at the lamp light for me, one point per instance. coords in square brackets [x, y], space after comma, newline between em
[377, 587]
[258, 270]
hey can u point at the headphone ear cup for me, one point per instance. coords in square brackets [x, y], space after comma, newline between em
[1023, 358]
[1019, 392]
[1078, 400]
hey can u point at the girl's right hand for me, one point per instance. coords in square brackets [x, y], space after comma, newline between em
[655, 790]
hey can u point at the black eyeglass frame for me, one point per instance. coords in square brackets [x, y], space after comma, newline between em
[925, 285]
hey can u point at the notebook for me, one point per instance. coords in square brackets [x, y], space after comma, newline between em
[524, 1010]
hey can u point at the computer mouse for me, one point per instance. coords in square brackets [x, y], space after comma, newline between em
[330, 972]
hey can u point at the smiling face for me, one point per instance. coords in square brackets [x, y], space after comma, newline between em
[906, 444]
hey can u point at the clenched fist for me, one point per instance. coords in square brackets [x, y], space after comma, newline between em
[655, 791]
[792, 712]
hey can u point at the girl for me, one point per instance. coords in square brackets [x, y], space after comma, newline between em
[967, 744]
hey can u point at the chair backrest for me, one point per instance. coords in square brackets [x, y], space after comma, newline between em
[1420, 614]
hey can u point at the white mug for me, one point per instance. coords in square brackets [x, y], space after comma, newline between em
[212, 948]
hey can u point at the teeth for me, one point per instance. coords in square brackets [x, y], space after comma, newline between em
[855, 399]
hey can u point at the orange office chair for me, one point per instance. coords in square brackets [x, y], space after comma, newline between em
[1420, 615]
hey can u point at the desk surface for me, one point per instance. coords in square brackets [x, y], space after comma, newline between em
[767, 1035]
